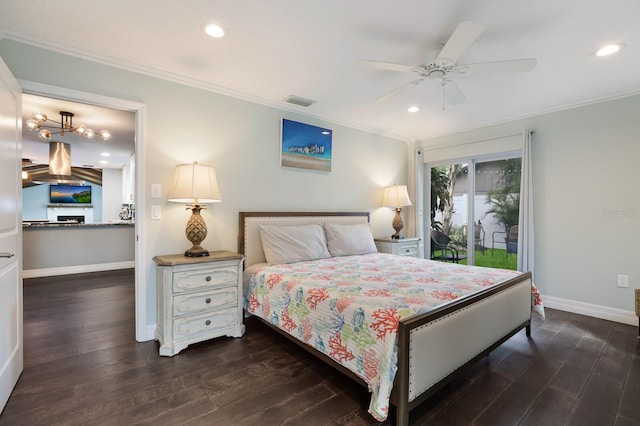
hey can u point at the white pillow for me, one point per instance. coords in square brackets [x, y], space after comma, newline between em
[289, 244]
[347, 240]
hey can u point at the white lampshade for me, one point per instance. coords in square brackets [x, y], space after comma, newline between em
[396, 196]
[195, 184]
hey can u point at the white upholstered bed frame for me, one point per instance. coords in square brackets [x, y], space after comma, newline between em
[433, 346]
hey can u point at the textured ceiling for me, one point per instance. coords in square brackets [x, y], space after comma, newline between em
[277, 48]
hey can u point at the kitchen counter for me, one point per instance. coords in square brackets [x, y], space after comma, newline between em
[55, 248]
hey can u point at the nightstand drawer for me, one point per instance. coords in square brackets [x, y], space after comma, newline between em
[193, 325]
[190, 303]
[200, 279]
[400, 247]
[407, 250]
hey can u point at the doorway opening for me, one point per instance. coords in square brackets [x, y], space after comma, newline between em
[136, 111]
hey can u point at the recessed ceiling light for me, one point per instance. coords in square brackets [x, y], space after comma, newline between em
[413, 109]
[104, 162]
[106, 154]
[609, 49]
[214, 30]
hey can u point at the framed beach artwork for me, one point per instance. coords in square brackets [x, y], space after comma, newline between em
[304, 146]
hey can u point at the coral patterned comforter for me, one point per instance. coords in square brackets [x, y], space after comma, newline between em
[349, 307]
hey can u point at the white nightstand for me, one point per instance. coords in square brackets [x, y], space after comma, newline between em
[199, 298]
[402, 247]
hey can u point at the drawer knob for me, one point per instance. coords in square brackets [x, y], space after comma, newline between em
[208, 278]
[208, 300]
[208, 322]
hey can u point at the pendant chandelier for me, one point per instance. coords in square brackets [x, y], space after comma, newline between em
[38, 121]
[60, 152]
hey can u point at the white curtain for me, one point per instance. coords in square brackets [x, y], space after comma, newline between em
[418, 191]
[525, 221]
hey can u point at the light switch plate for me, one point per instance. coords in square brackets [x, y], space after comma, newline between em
[156, 190]
[156, 213]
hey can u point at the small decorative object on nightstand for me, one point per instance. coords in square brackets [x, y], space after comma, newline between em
[199, 298]
[403, 247]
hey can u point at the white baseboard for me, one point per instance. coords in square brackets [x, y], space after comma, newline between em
[596, 311]
[78, 269]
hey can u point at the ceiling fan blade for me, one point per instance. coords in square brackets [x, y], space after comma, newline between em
[499, 67]
[397, 90]
[465, 34]
[387, 66]
[452, 93]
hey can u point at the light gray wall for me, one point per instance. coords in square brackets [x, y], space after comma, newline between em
[239, 138]
[34, 202]
[587, 208]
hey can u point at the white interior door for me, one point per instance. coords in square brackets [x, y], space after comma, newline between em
[11, 361]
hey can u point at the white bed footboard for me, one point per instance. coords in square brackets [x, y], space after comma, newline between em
[439, 347]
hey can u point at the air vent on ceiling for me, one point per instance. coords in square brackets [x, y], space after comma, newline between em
[297, 100]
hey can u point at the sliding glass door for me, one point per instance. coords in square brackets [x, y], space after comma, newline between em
[449, 212]
[474, 211]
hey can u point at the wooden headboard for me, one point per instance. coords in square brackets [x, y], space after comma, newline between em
[249, 242]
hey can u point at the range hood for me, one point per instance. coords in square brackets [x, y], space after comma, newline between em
[59, 159]
[59, 166]
[59, 169]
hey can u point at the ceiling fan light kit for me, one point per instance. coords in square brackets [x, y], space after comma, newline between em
[445, 65]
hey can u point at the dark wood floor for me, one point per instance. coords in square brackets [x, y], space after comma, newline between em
[83, 367]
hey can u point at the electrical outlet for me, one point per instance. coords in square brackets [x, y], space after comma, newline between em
[623, 281]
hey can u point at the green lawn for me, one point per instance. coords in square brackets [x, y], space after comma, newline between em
[499, 259]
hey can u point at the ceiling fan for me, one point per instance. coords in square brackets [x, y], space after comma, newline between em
[445, 66]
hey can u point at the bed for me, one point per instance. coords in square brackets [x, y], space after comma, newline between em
[418, 343]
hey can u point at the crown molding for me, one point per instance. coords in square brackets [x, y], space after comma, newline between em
[532, 114]
[186, 81]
